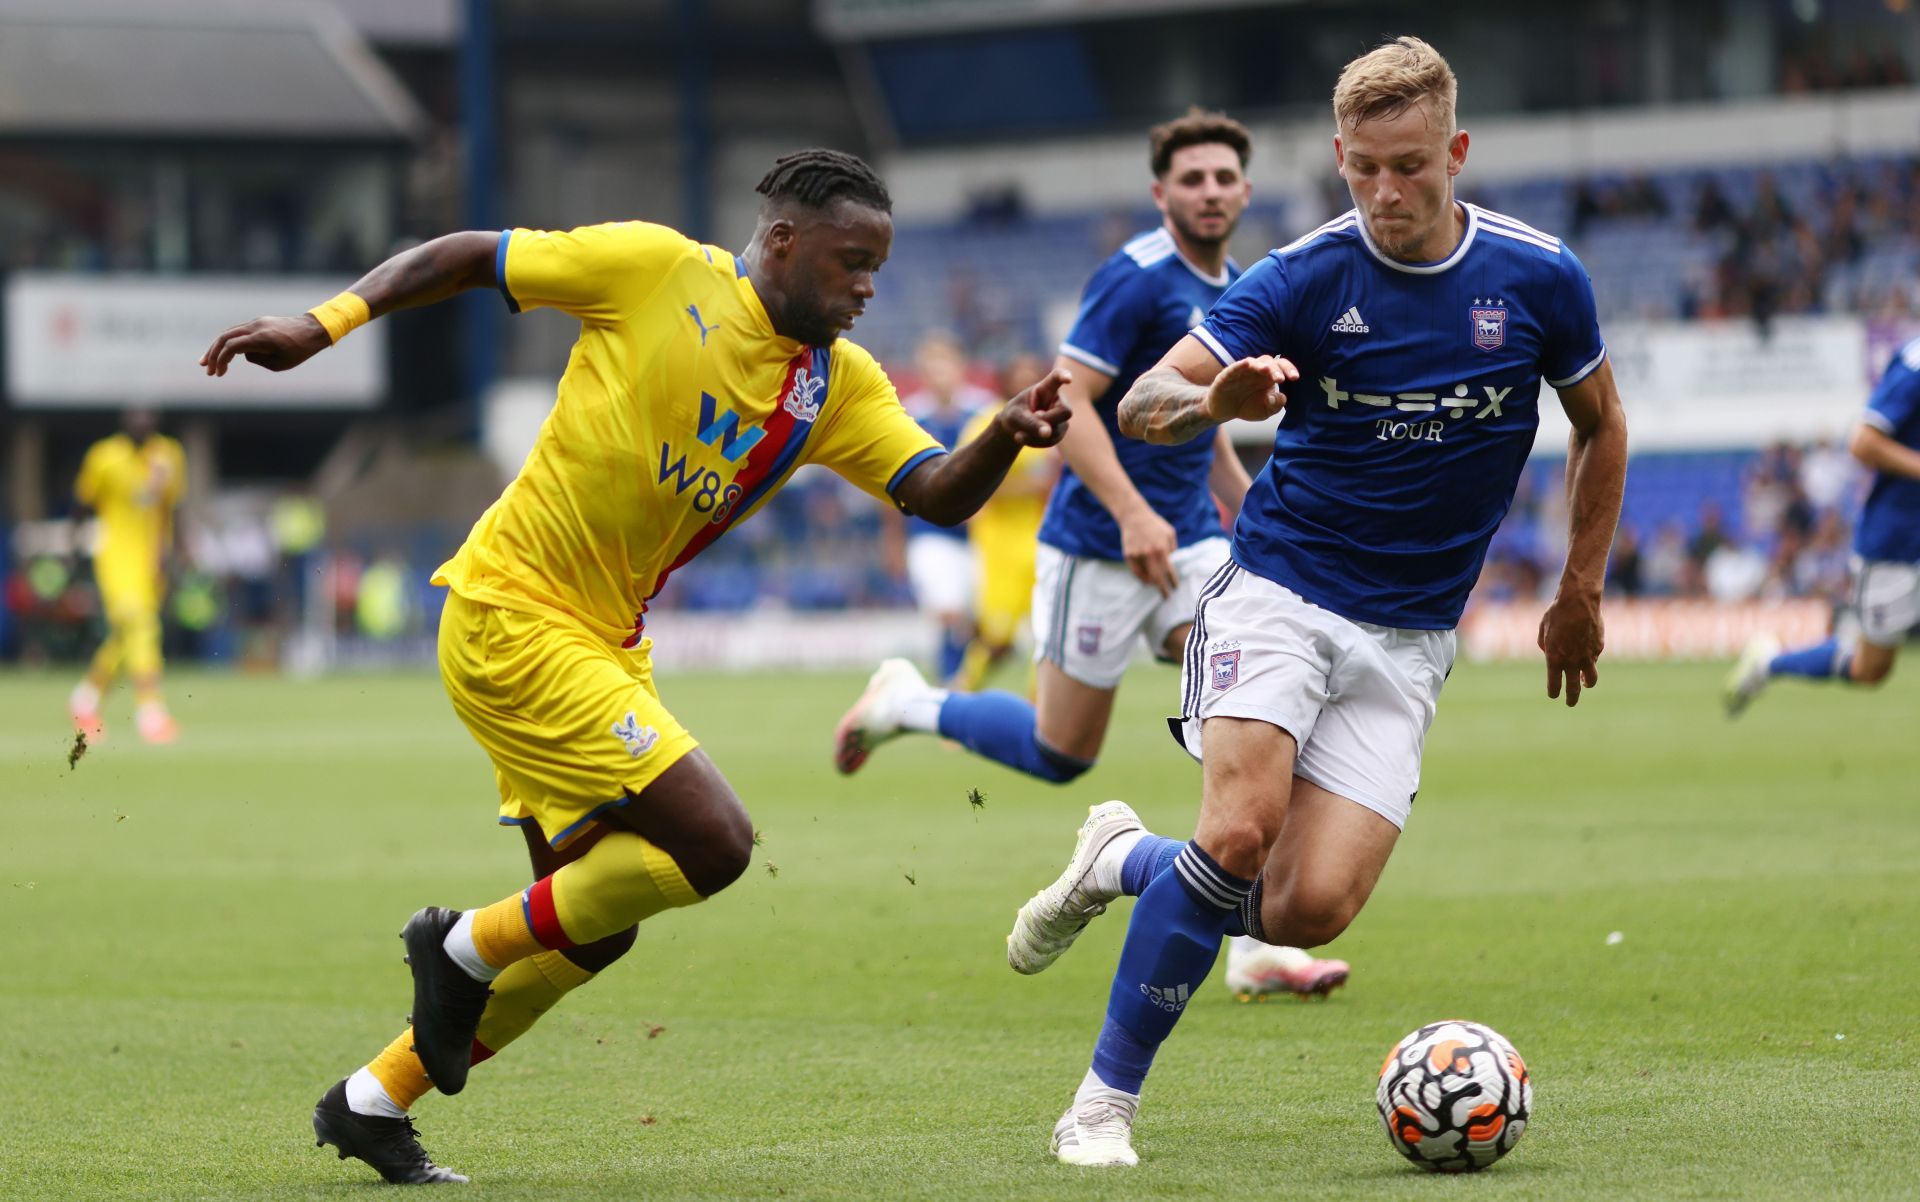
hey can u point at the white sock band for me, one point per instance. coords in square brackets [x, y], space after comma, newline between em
[365, 1095]
[921, 711]
[459, 945]
[1109, 865]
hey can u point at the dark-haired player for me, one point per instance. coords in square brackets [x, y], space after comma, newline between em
[1131, 533]
[700, 381]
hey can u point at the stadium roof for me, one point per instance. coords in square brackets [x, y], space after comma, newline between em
[193, 68]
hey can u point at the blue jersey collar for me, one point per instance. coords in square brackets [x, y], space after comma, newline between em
[1459, 252]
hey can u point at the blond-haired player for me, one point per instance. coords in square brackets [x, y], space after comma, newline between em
[1132, 531]
[1407, 341]
[133, 481]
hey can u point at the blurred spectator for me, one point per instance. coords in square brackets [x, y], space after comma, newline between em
[1665, 570]
[1785, 545]
[1708, 534]
[1734, 573]
[1826, 472]
[1624, 569]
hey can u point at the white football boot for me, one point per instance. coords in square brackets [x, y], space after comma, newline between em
[1097, 1130]
[875, 718]
[1256, 969]
[1750, 676]
[1054, 917]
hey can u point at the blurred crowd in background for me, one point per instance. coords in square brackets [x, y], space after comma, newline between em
[253, 574]
[1727, 527]
[1790, 187]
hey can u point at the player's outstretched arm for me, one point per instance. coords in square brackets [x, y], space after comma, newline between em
[427, 273]
[1881, 452]
[1188, 391]
[951, 488]
[1571, 633]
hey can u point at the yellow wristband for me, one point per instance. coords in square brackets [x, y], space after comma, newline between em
[342, 315]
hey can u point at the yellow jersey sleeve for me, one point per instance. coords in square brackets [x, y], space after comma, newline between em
[597, 273]
[91, 484]
[866, 435]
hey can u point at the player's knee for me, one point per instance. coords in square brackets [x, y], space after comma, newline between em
[599, 955]
[1310, 919]
[1058, 766]
[1871, 672]
[723, 855]
[1239, 846]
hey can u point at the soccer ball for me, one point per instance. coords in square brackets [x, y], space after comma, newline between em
[1455, 1096]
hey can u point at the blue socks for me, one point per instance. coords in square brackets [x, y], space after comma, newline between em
[1000, 726]
[1172, 941]
[1150, 857]
[953, 649]
[1822, 661]
[1154, 854]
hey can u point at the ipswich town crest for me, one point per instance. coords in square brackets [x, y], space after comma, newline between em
[1489, 327]
[1225, 669]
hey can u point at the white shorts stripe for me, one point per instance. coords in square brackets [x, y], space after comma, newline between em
[1886, 596]
[1197, 637]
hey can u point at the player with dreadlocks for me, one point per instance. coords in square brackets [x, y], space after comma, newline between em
[700, 381]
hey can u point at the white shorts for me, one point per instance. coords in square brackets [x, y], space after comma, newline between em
[1089, 614]
[1886, 594]
[940, 572]
[1357, 698]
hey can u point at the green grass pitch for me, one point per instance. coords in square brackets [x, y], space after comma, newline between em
[199, 940]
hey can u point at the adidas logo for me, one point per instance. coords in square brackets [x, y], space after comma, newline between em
[1171, 998]
[1351, 322]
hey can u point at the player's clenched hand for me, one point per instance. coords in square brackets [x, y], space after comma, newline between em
[1251, 389]
[1147, 542]
[1572, 636]
[1038, 417]
[275, 343]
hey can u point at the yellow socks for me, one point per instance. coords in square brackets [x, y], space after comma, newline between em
[501, 933]
[622, 880]
[521, 995]
[398, 1071]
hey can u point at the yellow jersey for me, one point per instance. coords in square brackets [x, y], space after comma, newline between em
[134, 489]
[680, 412]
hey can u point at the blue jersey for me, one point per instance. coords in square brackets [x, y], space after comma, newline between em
[1890, 524]
[1141, 301]
[945, 424]
[1414, 412]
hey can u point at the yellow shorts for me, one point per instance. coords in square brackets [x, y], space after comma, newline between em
[128, 591]
[573, 724]
[1004, 590]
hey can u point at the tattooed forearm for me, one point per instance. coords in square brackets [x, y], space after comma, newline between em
[1164, 407]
